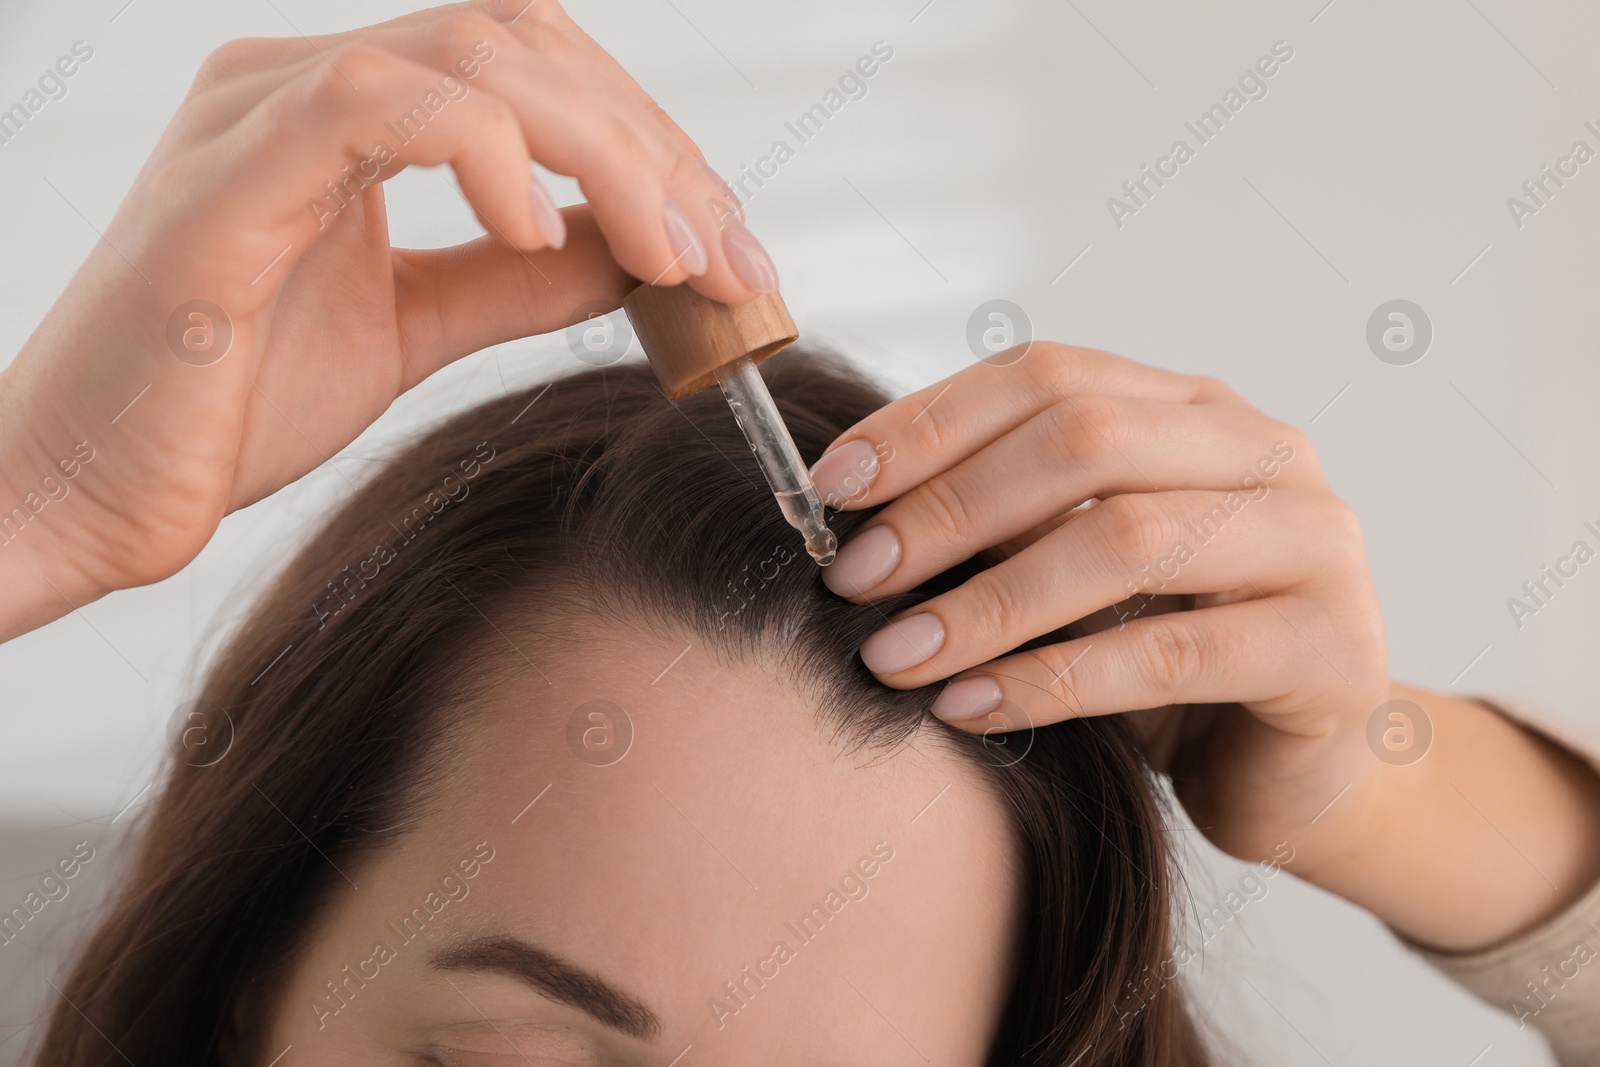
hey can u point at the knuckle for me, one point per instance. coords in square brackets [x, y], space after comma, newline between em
[1072, 671]
[1060, 372]
[1089, 429]
[942, 504]
[681, 143]
[1067, 434]
[1214, 388]
[547, 39]
[1363, 630]
[233, 57]
[464, 30]
[680, 161]
[620, 141]
[350, 69]
[1298, 443]
[932, 432]
[1340, 520]
[1173, 656]
[991, 606]
[678, 168]
[1134, 530]
[500, 123]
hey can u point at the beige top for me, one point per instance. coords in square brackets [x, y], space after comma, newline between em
[1549, 978]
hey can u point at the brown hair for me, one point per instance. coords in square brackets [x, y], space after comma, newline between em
[596, 495]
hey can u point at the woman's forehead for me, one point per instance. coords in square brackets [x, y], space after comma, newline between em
[645, 746]
[671, 820]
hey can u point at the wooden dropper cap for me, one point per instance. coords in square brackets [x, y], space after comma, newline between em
[687, 337]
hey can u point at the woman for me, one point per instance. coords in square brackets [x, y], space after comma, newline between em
[571, 759]
[336, 905]
[572, 756]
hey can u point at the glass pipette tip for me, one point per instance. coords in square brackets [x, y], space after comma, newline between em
[777, 456]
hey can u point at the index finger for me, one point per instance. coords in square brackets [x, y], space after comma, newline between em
[908, 441]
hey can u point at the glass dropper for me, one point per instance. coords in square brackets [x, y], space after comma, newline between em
[777, 456]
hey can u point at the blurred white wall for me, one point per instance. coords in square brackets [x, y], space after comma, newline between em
[978, 166]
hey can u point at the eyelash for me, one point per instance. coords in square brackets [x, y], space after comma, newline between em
[443, 1056]
[436, 1059]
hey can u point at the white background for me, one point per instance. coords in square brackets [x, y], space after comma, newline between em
[977, 167]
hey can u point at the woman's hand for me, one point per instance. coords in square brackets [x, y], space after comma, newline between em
[1196, 500]
[246, 317]
[1212, 584]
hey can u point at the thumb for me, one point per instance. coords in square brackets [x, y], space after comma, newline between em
[451, 302]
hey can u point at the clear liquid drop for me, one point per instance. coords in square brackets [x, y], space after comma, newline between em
[803, 509]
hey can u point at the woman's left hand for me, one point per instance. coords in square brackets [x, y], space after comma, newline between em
[1213, 581]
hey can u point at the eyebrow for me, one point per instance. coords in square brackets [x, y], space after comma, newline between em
[554, 977]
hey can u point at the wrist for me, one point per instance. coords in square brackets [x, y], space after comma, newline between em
[40, 580]
[1336, 824]
[37, 589]
[1490, 832]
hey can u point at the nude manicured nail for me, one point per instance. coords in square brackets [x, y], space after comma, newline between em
[967, 698]
[546, 216]
[846, 473]
[684, 238]
[865, 560]
[903, 644]
[727, 193]
[747, 258]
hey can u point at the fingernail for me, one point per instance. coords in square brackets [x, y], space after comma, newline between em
[747, 258]
[727, 192]
[846, 473]
[684, 238]
[546, 216]
[903, 644]
[967, 698]
[865, 560]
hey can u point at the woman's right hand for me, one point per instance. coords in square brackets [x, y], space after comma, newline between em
[245, 316]
[1215, 587]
